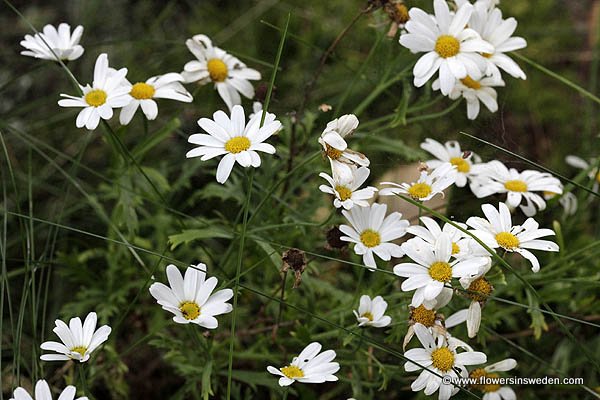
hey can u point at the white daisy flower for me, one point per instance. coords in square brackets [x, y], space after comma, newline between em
[463, 245]
[309, 367]
[107, 92]
[235, 139]
[142, 94]
[78, 341]
[450, 152]
[497, 231]
[347, 192]
[494, 391]
[370, 312]
[42, 392]
[475, 91]
[450, 46]
[495, 177]
[488, 22]
[64, 44]
[372, 232]
[432, 269]
[478, 288]
[428, 185]
[190, 297]
[591, 167]
[230, 76]
[441, 358]
[335, 146]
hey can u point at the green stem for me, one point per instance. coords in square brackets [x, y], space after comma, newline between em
[82, 379]
[285, 393]
[281, 304]
[559, 78]
[237, 281]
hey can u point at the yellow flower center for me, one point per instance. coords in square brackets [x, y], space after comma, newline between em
[447, 46]
[443, 359]
[487, 55]
[479, 374]
[423, 316]
[471, 83]
[333, 153]
[292, 372]
[507, 240]
[480, 289]
[370, 238]
[455, 248]
[516, 186]
[368, 316]
[237, 144]
[461, 164]
[96, 97]
[142, 91]
[344, 192]
[79, 349]
[190, 310]
[217, 70]
[419, 191]
[598, 177]
[440, 271]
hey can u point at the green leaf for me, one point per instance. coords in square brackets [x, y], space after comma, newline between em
[401, 110]
[206, 373]
[271, 252]
[189, 235]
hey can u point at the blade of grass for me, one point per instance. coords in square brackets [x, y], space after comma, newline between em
[246, 211]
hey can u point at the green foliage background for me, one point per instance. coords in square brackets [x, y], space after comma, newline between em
[84, 229]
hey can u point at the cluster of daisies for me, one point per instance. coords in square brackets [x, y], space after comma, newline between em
[467, 46]
[437, 256]
[111, 90]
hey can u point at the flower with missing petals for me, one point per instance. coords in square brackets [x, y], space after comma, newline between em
[230, 76]
[142, 94]
[309, 367]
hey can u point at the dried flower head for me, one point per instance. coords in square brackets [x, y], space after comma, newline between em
[295, 260]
